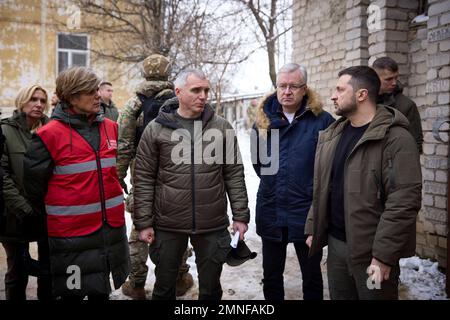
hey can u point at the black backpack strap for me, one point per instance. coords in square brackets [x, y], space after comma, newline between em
[142, 99]
[150, 109]
[152, 105]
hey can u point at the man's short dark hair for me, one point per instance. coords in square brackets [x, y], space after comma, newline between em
[363, 77]
[385, 63]
[104, 83]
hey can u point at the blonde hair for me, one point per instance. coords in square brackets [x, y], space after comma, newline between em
[25, 94]
[74, 81]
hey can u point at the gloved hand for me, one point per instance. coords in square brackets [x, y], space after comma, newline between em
[123, 185]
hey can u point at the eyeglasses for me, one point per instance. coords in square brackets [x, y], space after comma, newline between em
[290, 87]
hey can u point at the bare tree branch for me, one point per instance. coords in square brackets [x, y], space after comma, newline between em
[268, 14]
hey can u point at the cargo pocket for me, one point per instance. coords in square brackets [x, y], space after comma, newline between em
[223, 248]
[154, 250]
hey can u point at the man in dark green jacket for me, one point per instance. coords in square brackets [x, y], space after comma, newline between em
[367, 191]
[181, 188]
[391, 94]
[139, 110]
[108, 107]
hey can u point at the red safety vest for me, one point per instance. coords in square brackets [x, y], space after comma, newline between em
[84, 190]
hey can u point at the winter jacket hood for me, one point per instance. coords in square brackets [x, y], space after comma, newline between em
[75, 121]
[385, 118]
[269, 108]
[81, 124]
[388, 99]
[19, 121]
[167, 113]
[407, 107]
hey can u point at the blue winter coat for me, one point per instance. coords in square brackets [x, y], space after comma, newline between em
[284, 198]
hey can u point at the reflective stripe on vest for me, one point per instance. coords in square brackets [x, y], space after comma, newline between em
[84, 209]
[84, 166]
[84, 191]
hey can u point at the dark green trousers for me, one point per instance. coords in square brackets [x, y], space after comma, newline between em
[210, 249]
[351, 283]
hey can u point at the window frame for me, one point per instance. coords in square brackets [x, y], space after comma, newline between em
[72, 51]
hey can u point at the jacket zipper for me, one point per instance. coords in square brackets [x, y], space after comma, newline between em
[102, 197]
[301, 114]
[348, 239]
[103, 205]
[193, 184]
[99, 172]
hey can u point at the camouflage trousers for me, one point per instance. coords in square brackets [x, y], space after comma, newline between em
[139, 254]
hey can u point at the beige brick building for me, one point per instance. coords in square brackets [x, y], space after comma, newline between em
[331, 35]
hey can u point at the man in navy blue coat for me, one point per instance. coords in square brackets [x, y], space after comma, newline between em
[288, 124]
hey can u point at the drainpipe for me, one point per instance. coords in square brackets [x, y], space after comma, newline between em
[437, 135]
[447, 282]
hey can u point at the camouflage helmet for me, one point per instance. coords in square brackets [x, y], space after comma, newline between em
[156, 67]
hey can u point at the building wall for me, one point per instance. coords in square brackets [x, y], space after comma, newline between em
[331, 35]
[28, 51]
[319, 42]
[435, 160]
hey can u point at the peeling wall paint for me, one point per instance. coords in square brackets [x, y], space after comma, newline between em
[28, 51]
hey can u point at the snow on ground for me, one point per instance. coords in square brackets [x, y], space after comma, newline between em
[420, 279]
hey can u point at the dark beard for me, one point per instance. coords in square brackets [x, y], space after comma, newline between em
[348, 109]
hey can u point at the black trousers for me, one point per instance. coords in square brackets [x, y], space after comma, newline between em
[21, 266]
[274, 260]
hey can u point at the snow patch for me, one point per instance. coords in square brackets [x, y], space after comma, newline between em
[420, 279]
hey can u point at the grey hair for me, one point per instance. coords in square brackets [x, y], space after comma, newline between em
[292, 67]
[181, 79]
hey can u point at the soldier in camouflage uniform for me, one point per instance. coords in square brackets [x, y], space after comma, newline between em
[155, 70]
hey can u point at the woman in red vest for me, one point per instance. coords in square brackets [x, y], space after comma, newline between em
[71, 171]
